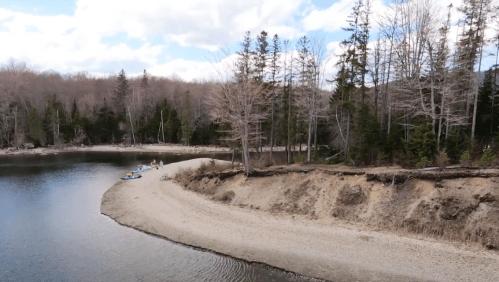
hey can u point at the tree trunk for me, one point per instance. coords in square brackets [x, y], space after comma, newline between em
[476, 94]
[272, 127]
[131, 125]
[494, 89]
[162, 127]
[309, 139]
[315, 137]
[15, 127]
[348, 134]
[440, 122]
[387, 100]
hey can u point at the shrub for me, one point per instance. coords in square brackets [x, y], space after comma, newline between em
[266, 161]
[488, 157]
[381, 158]
[465, 158]
[423, 161]
[442, 159]
[422, 142]
[349, 161]
[213, 166]
[299, 158]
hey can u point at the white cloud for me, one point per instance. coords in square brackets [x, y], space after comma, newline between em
[57, 42]
[199, 23]
[335, 17]
[190, 70]
[73, 43]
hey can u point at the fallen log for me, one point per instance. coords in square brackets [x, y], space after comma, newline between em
[387, 178]
[398, 178]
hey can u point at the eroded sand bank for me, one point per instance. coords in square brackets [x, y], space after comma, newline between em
[330, 252]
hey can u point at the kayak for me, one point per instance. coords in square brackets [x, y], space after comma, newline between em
[128, 177]
[141, 169]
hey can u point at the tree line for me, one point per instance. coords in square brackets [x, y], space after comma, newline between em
[407, 94]
[410, 94]
[46, 108]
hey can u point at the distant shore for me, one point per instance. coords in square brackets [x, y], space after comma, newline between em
[160, 148]
[151, 148]
[333, 252]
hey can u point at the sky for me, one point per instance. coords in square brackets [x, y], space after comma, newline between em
[179, 38]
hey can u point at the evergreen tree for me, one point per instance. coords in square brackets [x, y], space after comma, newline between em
[274, 72]
[422, 144]
[261, 56]
[367, 133]
[121, 93]
[470, 48]
[484, 111]
[144, 89]
[244, 60]
[186, 127]
[35, 128]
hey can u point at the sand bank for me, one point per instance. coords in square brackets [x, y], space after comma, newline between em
[338, 253]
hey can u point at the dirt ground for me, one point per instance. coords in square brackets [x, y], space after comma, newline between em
[463, 210]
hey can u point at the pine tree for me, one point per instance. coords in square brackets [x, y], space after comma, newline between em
[470, 50]
[422, 143]
[484, 111]
[274, 72]
[121, 93]
[306, 97]
[186, 128]
[244, 60]
[261, 56]
[144, 90]
[35, 127]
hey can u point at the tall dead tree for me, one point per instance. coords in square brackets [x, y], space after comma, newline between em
[235, 101]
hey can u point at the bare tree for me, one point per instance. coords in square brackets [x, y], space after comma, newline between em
[235, 101]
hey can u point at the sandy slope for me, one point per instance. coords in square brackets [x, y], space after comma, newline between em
[330, 252]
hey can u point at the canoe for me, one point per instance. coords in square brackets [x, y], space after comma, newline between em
[128, 177]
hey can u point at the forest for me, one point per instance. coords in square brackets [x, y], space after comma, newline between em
[406, 92]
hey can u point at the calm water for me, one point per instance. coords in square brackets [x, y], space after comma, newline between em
[51, 228]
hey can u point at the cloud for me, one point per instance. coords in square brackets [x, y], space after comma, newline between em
[72, 43]
[193, 70]
[199, 23]
[335, 17]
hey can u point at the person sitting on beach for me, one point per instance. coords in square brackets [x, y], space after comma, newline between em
[153, 163]
[160, 163]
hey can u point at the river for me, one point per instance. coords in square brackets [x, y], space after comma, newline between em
[51, 228]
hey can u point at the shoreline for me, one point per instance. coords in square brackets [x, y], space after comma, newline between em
[148, 148]
[331, 252]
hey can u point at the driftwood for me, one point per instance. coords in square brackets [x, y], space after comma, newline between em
[401, 177]
[387, 178]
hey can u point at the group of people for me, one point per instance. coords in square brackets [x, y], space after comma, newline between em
[155, 165]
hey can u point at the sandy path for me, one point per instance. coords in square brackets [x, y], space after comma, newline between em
[328, 252]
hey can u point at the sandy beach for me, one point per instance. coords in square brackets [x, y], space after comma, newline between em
[332, 252]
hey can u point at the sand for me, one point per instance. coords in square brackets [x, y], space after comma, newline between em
[333, 252]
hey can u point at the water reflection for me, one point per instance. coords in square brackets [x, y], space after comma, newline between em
[51, 228]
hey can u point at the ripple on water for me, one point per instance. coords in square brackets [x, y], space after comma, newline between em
[51, 228]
